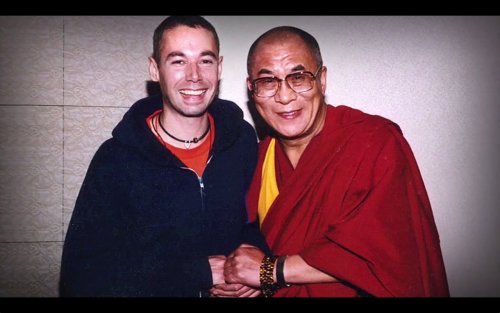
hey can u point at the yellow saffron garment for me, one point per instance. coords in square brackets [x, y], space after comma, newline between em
[269, 186]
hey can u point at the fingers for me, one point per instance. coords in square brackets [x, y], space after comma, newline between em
[248, 292]
[234, 290]
[228, 290]
[217, 258]
[217, 263]
[253, 293]
[229, 287]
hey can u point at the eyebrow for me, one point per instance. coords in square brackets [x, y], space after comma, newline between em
[202, 54]
[296, 68]
[208, 53]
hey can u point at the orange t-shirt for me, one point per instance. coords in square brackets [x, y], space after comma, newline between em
[195, 158]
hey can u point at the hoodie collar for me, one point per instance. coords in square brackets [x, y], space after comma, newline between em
[133, 132]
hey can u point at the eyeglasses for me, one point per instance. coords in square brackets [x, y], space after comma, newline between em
[299, 82]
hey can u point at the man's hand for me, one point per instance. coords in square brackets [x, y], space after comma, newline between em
[217, 267]
[234, 290]
[243, 265]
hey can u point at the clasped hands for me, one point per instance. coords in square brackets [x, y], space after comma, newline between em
[236, 275]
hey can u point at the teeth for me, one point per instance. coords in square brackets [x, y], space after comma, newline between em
[192, 92]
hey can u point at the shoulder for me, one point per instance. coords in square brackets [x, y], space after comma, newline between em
[361, 122]
[148, 104]
[144, 107]
[225, 109]
[230, 125]
[363, 131]
[109, 155]
[249, 131]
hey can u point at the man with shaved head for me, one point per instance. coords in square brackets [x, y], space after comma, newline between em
[337, 192]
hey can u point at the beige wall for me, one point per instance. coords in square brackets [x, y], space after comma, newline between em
[66, 81]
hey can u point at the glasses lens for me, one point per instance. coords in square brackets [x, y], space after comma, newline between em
[300, 82]
[266, 87]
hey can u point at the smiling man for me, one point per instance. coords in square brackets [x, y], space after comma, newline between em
[163, 201]
[337, 191]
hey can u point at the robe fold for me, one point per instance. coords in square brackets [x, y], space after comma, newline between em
[355, 207]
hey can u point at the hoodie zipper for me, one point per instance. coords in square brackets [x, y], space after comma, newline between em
[201, 183]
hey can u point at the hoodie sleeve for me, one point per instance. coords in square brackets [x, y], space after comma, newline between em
[100, 251]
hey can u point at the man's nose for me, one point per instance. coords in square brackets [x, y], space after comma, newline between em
[193, 72]
[284, 94]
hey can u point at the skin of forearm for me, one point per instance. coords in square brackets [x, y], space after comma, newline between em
[297, 271]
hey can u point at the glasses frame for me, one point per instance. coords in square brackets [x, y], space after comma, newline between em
[280, 80]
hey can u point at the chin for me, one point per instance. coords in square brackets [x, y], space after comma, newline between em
[288, 135]
[290, 131]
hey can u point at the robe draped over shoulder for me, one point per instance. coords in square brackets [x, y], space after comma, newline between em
[355, 207]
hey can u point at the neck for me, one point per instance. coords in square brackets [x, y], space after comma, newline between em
[184, 128]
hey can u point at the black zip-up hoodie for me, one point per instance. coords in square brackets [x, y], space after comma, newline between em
[144, 224]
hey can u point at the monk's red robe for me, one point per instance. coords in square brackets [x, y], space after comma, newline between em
[355, 207]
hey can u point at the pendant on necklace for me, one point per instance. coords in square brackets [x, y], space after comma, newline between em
[187, 144]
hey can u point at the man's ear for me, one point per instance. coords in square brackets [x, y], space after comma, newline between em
[249, 85]
[153, 70]
[220, 66]
[323, 79]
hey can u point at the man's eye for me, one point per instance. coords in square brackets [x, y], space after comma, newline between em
[267, 81]
[296, 78]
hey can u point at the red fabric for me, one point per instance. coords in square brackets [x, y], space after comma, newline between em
[356, 208]
[195, 158]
